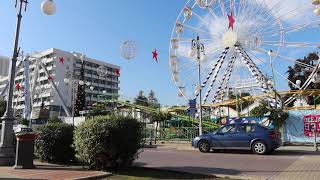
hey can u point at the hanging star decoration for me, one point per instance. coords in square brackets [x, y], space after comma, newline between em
[61, 60]
[18, 86]
[118, 72]
[155, 55]
[231, 21]
[50, 78]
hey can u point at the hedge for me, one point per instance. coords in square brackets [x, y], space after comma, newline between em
[108, 142]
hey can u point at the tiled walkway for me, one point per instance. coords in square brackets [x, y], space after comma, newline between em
[50, 172]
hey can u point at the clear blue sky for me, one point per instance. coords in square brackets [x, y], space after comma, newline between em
[97, 28]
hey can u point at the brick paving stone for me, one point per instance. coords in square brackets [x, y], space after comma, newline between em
[245, 165]
[306, 168]
[49, 171]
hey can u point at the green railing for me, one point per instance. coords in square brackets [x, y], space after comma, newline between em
[181, 133]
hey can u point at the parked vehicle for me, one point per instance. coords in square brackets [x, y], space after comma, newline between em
[242, 136]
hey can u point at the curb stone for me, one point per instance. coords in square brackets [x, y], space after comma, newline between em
[103, 175]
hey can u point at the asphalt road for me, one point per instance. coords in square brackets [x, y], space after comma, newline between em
[232, 164]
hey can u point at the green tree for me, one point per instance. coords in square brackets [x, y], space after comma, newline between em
[153, 101]
[141, 99]
[300, 72]
[278, 117]
[260, 111]
[3, 106]
[23, 121]
[158, 117]
[80, 102]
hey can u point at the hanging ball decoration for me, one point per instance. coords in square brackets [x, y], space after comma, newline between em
[128, 49]
[316, 2]
[102, 71]
[317, 11]
[48, 7]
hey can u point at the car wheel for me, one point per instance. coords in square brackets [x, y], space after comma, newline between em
[259, 147]
[204, 146]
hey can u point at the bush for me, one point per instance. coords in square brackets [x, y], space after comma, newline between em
[108, 142]
[55, 143]
[54, 119]
[23, 121]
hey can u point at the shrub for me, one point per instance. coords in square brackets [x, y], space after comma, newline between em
[23, 121]
[54, 119]
[108, 142]
[55, 143]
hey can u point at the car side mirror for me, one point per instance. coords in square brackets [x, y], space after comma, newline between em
[220, 133]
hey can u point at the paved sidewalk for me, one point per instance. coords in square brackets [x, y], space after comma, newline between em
[50, 172]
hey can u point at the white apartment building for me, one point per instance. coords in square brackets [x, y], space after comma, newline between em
[42, 91]
[4, 66]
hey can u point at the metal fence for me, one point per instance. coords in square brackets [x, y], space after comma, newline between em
[181, 133]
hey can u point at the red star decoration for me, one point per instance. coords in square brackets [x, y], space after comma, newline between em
[231, 21]
[18, 86]
[61, 60]
[118, 72]
[50, 78]
[155, 55]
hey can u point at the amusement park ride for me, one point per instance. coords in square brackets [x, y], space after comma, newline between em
[248, 47]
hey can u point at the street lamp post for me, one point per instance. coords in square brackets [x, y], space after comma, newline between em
[270, 53]
[198, 47]
[7, 154]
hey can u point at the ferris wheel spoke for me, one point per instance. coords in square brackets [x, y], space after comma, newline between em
[291, 45]
[286, 58]
[222, 7]
[251, 15]
[195, 29]
[201, 18]
[213, 14]
[295, 28]
[287, 16]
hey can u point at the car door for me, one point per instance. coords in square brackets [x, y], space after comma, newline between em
[243, 137]
[224, 136]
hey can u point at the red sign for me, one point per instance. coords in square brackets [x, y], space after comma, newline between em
[311, 124]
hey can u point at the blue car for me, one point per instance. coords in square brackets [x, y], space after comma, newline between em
[242, 136]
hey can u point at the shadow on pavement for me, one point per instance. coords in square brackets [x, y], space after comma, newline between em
[275, 153]
[58, 167]
[204, 170]
[163, 173]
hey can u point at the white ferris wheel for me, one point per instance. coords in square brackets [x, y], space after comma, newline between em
[243, 44]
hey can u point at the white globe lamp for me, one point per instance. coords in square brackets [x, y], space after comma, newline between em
[88, 83]
[298, 82]
[48, 7]
[81, 83]
[66, 81]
